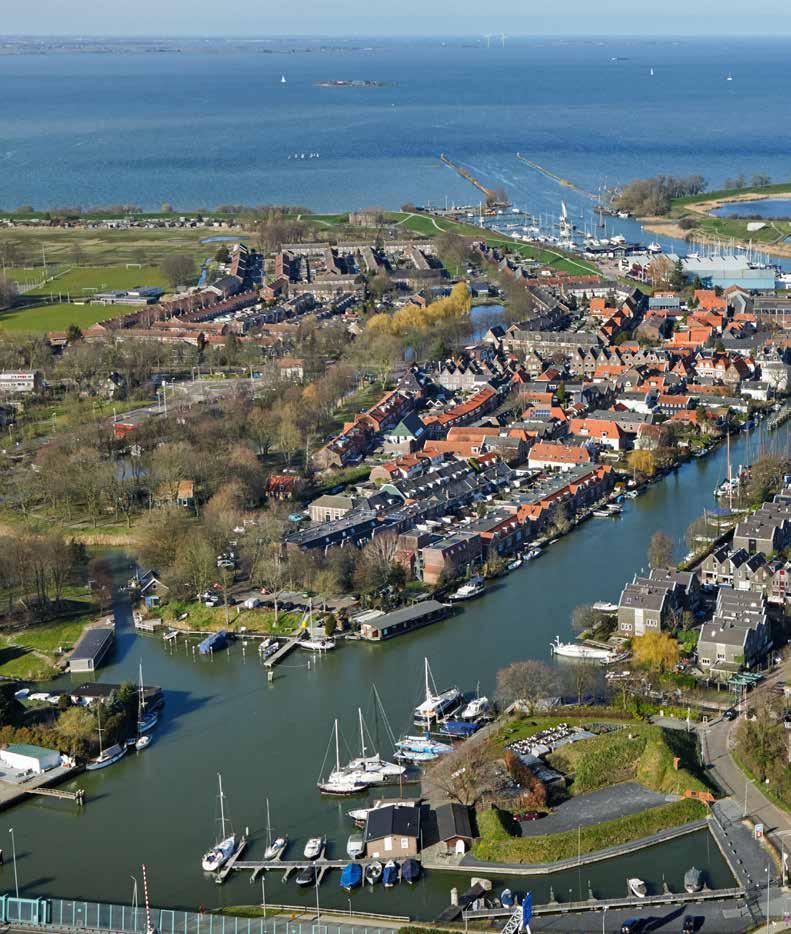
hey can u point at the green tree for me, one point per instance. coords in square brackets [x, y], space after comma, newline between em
[76, 727]
[660, 550]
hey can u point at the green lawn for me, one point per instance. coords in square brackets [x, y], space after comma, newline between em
[211, 619]
[56, 316]
[80, 282]
[497, 845]
[31, 653]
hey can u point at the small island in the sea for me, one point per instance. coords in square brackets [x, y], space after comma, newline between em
[343, 83]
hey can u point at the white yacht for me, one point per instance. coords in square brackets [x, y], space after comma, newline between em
[342, 781]
[436, 706]
[473, 588]
[314, 848]
[576, 650]
[224, 848]
[372, 769]
[477, 709]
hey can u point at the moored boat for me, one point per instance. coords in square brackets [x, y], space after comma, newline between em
[693, 880]
[355, 845]
[142, 742]
[222, 851]
[107, 757]
[637, 887]
[507, 898]
[306, 876]
[351, 876]
[473, 588]
[410, 870]
[373, 872]
[390, 874]
[436, 705]
[575, 650]
[276, 848]
[314, 848]
[317, 645]
[477, 709]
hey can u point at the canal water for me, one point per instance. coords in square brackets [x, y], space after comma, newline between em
[269, 740]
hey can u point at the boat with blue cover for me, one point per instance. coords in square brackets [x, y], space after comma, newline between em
[410, 871]
[458, 728]
[214, 642]
[351, 876]
[390, 874]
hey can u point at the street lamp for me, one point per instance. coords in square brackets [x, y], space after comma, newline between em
[13, 853]
[747, 783]
[783, 867]
[603, 918]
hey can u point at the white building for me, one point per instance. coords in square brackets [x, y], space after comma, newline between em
[13, 382]
[25, 757]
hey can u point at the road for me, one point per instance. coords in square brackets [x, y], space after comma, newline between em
[717, 917]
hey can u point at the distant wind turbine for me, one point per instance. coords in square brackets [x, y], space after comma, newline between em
[503, 37]
[488, 38]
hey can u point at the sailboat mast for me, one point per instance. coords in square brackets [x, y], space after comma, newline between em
[268, 825]
[730, 483]
[428, 690]
[337, 750]
[141, 707]
[99, 726]
[222, 807]
[362, 735]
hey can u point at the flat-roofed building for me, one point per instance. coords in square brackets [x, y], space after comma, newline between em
[92, 648]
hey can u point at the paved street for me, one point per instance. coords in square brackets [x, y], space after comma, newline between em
[595, 808]
[715, 917]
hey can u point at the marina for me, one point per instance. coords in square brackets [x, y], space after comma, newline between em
[230, 698]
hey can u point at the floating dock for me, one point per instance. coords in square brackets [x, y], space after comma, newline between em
[226, 870]
[281, 653]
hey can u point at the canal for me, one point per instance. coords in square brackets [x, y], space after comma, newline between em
[269, 739]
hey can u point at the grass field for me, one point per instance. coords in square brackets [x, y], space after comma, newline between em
[30, 654]
[497, 845]
[56, 316]
[212, 619]
[81, 281]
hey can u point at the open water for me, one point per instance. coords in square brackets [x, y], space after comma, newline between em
[201, 128]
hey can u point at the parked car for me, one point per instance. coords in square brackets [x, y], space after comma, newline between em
[251, 603]
[731, 713]
[523, 816]
[632, 926]
[690, 925]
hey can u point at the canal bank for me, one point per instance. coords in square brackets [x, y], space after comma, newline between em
[269, 739]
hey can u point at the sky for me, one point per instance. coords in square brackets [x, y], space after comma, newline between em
[383, 17]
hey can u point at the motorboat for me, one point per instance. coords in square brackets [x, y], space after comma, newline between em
[515, 564]
[420, 749]
[142, 742]
[148, 724]
[390, 874]
[532, 554]
[603, 514]
[359, 815]
[436, 706]
[614, 509]
[410, 871]
[314, 848]
[306, 876]
[473, 588]
[355, 845]
[654, 247]
[373, 872]
[576, 650]
[224, 848]
[507, 898]
[458, 729]
[276, 848]
[107, 757]
[602, 606]
[317, 645]
[268, 647]
[637, 887]
[351, 876]
[693, 880]
[477, 709]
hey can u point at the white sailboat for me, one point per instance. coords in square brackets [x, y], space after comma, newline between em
[222, 851]
[374, 770]
[106, 756]
[576, 650]
[341, 781]
[282, 79]
[274, 848]
[145, 721]
[436, 706]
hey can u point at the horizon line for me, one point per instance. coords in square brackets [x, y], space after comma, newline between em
[275, 37]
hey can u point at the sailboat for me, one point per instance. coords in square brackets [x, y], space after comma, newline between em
[274, 849]
[222, 851]
[282, 79]
[106, 756]
[145, 721]
[341, 781]
[372, 769]
[652, 72]
[436, 706]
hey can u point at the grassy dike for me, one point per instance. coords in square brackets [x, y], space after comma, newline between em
[497, 845]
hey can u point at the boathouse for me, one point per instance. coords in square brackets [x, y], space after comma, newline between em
[92, 648]
[404, 620]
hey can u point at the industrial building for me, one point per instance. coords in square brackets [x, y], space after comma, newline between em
[726, 270]
[26, 758]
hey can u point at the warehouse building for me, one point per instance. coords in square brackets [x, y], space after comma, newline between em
[92, 648]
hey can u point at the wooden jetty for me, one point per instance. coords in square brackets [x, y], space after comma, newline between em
[226, 870]
[78, 795]
[288, 646]
[289, 866]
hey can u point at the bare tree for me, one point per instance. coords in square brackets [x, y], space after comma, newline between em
[527, 682]
[461, 775]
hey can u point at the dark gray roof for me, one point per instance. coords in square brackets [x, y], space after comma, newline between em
[93, 642]
[453, 820]
[406, 614]
[400, 820]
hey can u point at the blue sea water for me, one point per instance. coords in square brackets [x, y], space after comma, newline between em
[201, 128]
[771, 207]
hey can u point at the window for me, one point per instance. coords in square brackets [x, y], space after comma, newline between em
[388, 844]
[404, 843]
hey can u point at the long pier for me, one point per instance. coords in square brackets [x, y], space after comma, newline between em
[488, 193]
[281, 653]
[667, 898]
[557, 178]
[289, 866]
